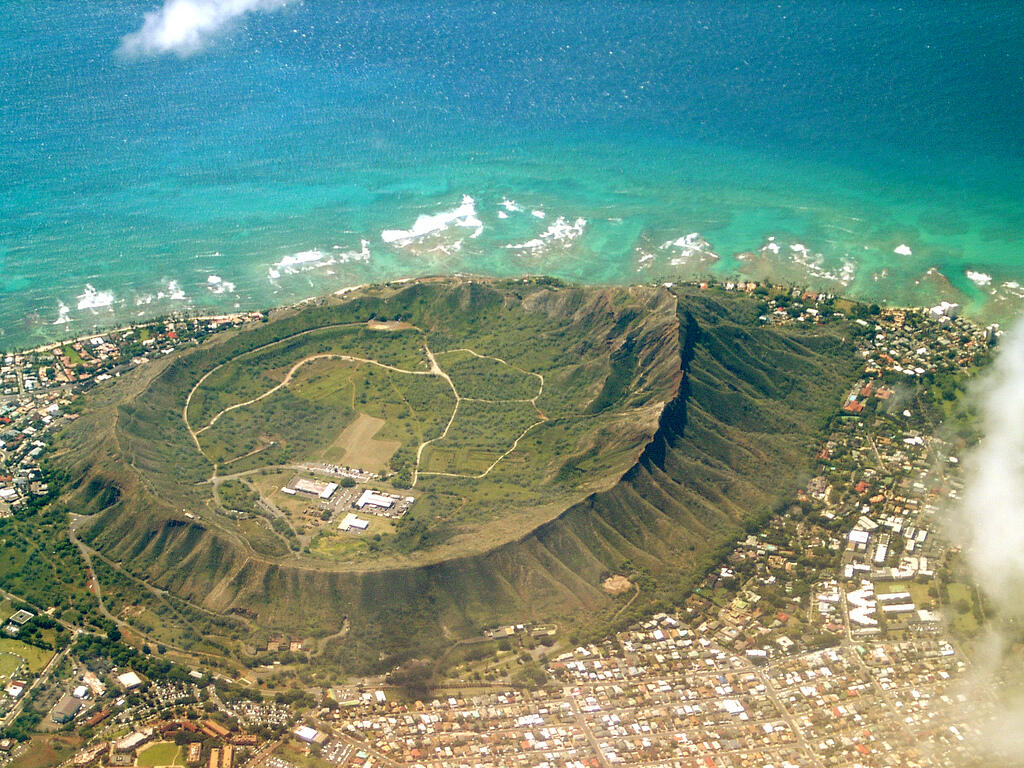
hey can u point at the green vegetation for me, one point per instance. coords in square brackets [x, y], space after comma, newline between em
[297, 753]
[965, 615]
[480, 434]
[487, 378]
[9, 664]
[616, 386]
[40, 564]
[239, 496]
[45, 750]
[264, 537]
[72, 354]
[35, 658]
[161, 753]
[666, 424]
[251, 374]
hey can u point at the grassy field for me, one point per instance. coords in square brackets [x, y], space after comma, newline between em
[961, 595]
[487, 378]
[357, 447]
[161, 753]
[35, 658]
[9, 664]
[295, 753]
[47, 750]
[72, 354]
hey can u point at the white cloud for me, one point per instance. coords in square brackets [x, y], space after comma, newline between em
[184, 27]
[991, 517]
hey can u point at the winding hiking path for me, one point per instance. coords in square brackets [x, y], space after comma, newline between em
[435, 369]
[268, 345]
[88, 553]
[458, 399]
[326, 356]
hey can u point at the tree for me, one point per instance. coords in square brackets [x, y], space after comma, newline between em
[530, 675]
[416, 677]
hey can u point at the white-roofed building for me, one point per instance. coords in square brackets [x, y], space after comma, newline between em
[374, 499]
[129, 680]
[353, 522]
[314, 487]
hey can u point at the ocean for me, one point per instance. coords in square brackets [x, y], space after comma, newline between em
[870, 149]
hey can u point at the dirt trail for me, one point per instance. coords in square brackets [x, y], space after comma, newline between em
[435, 370]
[327, 356]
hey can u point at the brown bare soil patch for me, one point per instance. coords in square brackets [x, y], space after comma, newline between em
[616, 585]
[355, 446]
[389, 325]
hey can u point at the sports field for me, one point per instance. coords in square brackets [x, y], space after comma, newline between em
[161, 753]
[36, 658]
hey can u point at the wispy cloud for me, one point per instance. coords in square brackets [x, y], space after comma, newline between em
[184, 27]
[991, 517]
[989, 522]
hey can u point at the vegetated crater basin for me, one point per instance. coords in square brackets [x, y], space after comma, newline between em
[492, 405]
[550, 436]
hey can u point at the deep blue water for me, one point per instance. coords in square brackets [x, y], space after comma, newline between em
[851, 128]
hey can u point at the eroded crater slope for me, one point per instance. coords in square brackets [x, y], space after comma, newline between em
[547, 436]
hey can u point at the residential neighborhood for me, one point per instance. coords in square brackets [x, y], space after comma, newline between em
[830, 636]
[39, 388]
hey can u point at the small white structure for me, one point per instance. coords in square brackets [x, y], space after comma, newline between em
[80, 692]
[374, 499]
[328, 491]
[352, 522]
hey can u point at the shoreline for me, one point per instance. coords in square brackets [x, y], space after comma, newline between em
[201, 315]
[253, 314]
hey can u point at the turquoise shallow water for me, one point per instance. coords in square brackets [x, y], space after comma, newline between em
[297, 152]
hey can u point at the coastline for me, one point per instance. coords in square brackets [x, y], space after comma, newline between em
[987, 315]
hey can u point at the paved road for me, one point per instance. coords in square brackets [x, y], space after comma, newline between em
[124, 626]
[44, 676]
[582, 722]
